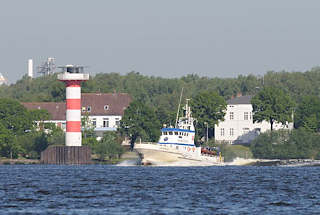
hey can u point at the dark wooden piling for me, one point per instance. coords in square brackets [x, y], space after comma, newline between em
[66, 155]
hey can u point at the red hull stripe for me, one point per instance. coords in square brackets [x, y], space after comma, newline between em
[73, 104]
[73, 126]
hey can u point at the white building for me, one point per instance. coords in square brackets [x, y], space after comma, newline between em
[238, 126]
[104, 110]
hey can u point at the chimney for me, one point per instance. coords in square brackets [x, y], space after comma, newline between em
[30, 68]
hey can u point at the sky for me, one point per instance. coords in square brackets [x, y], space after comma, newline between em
[167, 38]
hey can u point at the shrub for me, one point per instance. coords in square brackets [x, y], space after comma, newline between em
[283, 144]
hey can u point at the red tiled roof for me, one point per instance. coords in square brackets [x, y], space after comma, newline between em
[57, 110]
[105, 103]
[99, 103]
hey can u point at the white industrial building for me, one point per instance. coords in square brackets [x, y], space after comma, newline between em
[104, 110]
[3, 80]
[238, 126]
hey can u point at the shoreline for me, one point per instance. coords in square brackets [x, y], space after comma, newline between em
[18, 161]
[135, 158]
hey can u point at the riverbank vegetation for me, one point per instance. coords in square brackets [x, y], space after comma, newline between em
[20, 136]
[228, 151]
[284, 144]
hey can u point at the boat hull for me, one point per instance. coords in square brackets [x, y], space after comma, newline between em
[155, 155]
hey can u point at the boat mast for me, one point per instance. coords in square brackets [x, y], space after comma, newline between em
[176, 124]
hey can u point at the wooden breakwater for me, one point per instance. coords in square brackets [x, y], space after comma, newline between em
[66, 155]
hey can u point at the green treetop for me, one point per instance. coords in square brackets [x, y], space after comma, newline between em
[14, 116]
[208, 108]
[272, 105]
[141, 121]
[307, 114]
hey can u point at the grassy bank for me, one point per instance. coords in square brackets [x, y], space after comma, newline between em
[230, 152]
[7, 161]
[128, 155]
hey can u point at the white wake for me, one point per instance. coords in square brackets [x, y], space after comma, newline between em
[128, 163]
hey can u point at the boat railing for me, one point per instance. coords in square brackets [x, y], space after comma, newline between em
[151, 143]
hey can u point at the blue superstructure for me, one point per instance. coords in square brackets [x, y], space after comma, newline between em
[181, 137]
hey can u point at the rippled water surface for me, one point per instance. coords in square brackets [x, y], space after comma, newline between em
[95, 189]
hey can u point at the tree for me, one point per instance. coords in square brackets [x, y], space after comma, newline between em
[208, 108]
[7, 146]
[38, 117]
[55, 135]
[109, 146]
[282, 144]
[140, 120]
[14, 116]
[307, 114]
[272, 105]
[88, 134]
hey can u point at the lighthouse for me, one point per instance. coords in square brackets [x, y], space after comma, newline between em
[72, 77]
[73, 152]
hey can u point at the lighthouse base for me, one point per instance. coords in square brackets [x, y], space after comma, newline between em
[66, 155]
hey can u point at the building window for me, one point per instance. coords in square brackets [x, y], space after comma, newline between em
[221, 131]
[231, 131]
[105, 122]
[250, 115]
[117, 122]
[94, 122]
[231, 115]
[245, 130]
[89, 108]
[106, 107]
[246, 114]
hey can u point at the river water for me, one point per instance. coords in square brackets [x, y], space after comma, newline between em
[103, 189]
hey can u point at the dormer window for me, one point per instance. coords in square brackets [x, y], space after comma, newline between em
[106, 107]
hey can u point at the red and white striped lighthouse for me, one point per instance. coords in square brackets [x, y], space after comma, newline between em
[73, 79]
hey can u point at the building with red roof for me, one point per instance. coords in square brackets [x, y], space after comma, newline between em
[104, 110]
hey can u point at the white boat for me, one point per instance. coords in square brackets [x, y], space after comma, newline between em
[176, 146]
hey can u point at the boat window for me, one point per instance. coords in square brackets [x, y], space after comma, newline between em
[176, 133]
[165, 133]
[180, 136]
[170, 132]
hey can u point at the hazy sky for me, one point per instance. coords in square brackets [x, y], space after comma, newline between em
[167, 38]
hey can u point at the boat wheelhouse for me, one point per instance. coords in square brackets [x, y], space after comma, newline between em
[180, 138]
